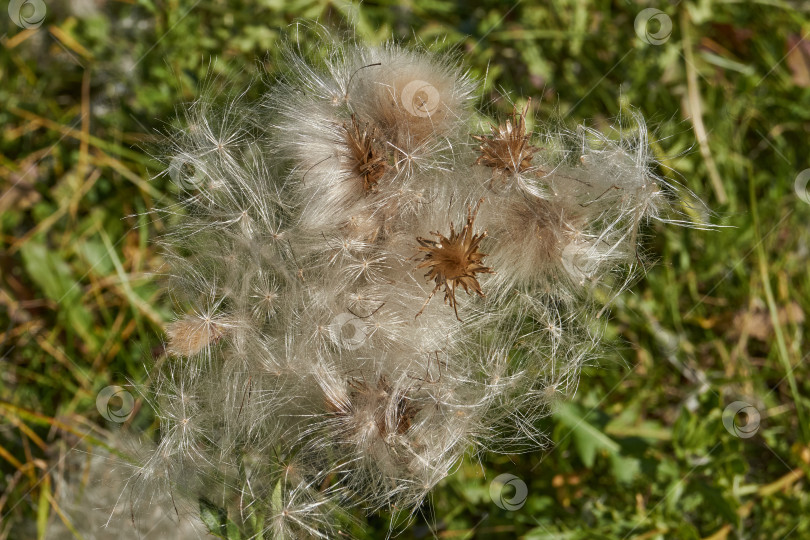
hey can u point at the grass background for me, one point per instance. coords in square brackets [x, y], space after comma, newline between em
[641, 451]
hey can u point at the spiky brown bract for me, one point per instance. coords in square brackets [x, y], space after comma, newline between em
[508, 149]
[454, 261]
[303, 385]
[369, 161]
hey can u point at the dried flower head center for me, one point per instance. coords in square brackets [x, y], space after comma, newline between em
[507, 150]
[454, 261]
[369, 163]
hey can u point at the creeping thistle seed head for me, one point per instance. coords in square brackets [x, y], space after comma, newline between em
[508, 149]
[454, 261]
[300, 383]
[369, 161]
[413, 97]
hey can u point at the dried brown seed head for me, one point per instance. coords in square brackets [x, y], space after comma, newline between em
[454, 261]
[507, 150]
[369, 163]
[192, 334]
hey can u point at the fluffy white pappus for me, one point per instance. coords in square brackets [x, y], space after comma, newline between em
[305, 511]
[370, 286]
[392, 433]
[582, 227]
[401, 113]
[412, 96]
[92, 489]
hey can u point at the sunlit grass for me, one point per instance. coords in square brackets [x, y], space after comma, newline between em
[640, 452]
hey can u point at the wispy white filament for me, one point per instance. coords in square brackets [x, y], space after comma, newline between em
[310, 373]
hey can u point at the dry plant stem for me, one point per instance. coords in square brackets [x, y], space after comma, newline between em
[696, 111]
